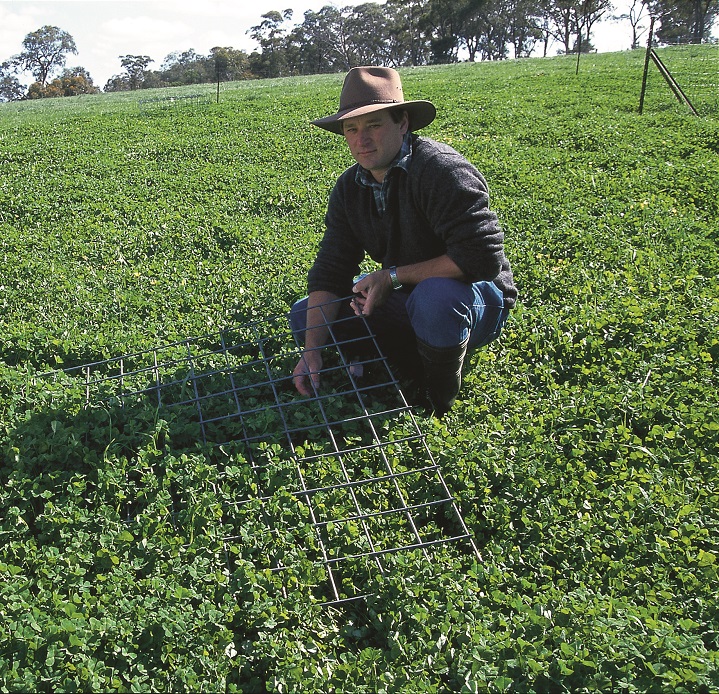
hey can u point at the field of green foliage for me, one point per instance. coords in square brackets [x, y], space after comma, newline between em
[584, 451]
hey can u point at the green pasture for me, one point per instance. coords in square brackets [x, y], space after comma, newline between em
[583, 453]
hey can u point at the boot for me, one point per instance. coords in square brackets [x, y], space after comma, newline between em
[442, 373]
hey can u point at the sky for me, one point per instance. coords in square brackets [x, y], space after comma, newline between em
[103, 30]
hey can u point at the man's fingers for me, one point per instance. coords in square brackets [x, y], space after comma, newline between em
[304, 384]
[305, 378]
[358, 305]
[300, 386]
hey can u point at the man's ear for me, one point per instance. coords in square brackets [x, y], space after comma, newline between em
[404, 123]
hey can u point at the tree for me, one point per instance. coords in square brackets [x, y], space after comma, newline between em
[320, 44]
[588, 13]
[77, 81]
[570, 22]
[373, 30]
[187, 67]
[684, 21]
[635, 16]
[270, 34]
[117, 83]
[136, 75]
[493, 27]
[135, 69]
[45, 51]
[222, 63]
[400, 33]
[10, 87]
[524, 26]
[406, 35]
[441, 23]
[561, 22]
[471, 24]
[72, 82]
[237, 65]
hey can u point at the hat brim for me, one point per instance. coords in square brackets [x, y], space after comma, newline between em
[421, 114]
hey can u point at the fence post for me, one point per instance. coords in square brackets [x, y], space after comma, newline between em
[646, 66]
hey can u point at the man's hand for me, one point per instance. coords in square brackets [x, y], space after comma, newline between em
[371, 292]
[306, 375]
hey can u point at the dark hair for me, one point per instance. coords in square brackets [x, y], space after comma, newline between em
[397, 112]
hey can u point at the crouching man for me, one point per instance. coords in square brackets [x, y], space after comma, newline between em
[421, 211]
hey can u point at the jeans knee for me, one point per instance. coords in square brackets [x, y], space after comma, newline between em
[439, 299]
[297, 318]
[440, 310]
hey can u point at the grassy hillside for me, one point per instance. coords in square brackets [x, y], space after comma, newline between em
[583, 452]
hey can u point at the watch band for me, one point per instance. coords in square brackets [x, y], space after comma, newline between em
[396, 284]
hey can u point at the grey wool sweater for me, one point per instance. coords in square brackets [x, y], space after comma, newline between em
[439, 205]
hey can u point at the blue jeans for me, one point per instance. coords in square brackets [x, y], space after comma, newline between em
[439, 311]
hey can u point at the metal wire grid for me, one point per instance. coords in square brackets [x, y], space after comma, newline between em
[342, 481]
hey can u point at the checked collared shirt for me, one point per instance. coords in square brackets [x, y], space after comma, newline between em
[381, 190]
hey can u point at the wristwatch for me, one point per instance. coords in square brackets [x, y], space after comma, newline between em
[396, 284]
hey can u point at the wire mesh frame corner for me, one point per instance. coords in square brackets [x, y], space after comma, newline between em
[342, 480]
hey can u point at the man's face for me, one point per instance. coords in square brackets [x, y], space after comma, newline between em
[374, 140]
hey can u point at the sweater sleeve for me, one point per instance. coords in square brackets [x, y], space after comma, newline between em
[455, 200]
[339, 256]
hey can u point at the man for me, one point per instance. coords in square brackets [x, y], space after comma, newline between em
[421, 211]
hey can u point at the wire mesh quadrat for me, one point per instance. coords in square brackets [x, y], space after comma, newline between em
[343, 480]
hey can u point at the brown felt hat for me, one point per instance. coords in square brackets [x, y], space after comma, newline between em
[368, 89]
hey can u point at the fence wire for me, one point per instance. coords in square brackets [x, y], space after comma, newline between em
[342, 480]
[696, 71]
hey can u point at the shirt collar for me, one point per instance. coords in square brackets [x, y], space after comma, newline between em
[402, 161]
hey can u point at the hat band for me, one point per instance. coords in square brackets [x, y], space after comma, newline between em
[359, 104]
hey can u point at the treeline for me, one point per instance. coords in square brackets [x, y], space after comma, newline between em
[396, 33]
[419, 32]
[187, 67]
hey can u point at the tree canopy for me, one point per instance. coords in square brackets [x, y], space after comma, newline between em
[45, 51]
[684, 21]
